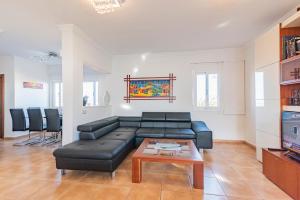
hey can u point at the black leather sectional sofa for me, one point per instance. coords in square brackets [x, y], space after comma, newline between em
[105, 143]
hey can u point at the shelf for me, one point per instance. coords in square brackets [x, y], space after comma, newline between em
[291, 108]
[292, 21]
[292, 59]
[291, 82]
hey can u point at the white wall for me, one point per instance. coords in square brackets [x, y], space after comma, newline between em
[228, 123]
[78, 50]
[28, 71]
[7, 68]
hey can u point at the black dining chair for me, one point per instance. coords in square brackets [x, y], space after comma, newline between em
[53, 121]
[36, 123]
[18, 119]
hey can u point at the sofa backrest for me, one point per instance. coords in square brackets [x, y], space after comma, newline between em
[166, 120]
[130, 121]
[97, 129]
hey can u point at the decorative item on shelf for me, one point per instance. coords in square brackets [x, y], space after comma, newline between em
[106, 98]
[33, 85]
[149, 88]
[296, 73]
[295, 97]
[298, 45]
[290, 46]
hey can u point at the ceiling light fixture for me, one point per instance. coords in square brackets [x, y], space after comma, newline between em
[106, 6]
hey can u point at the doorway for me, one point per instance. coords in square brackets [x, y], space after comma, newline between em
[1, 106]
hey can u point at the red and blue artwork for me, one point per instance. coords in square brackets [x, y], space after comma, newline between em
[149, 88]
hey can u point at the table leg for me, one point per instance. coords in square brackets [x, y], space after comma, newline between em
[198, 175]
[136, 170]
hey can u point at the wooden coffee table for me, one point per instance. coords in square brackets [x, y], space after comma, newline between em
[187, 155]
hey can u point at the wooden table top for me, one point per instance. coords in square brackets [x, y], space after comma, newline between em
[193, 153]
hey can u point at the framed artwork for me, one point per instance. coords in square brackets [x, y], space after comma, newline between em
[33, 85]
[149, 88]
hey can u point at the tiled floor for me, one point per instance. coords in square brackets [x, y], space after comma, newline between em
[231, 173]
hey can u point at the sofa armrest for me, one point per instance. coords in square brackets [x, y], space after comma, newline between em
[204, 135]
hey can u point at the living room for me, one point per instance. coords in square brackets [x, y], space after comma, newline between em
[114, 99]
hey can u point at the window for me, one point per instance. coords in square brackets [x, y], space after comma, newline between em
[90, 93]
[259, 89]
[57, 94]
[207, 90]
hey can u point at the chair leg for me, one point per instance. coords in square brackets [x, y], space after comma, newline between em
[29, 135]
[63, 172]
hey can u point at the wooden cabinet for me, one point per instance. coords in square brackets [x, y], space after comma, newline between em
[283, 172]
[298, 184]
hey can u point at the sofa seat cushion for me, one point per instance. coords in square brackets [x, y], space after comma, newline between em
[126, 129]
[91, 149]
[150, 132]
[179, 133]
[126, 136]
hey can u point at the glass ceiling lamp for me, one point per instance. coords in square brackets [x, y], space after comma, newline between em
[106, 6]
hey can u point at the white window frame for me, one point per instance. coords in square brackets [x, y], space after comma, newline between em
[206, 108]
[96, 100]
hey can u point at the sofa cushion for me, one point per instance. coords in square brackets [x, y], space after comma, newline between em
[92, 149]
[98, 133]
[153, 116]
[153, 124]
[150, 132]
[126, 136]
[93, 126]
[180, 125]
[178, 116]
[130, 121]
[179, 133]
[126, 129]
[166, 124]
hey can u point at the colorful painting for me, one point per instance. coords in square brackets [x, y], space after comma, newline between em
[33, 85]
[149, 88]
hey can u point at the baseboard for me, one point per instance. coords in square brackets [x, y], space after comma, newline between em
[229, 141]
[235, 142]
[250, 145]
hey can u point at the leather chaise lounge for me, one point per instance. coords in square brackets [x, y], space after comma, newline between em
[105, 143]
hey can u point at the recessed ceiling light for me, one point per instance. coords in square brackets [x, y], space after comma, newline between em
[223, 24]
[106, 6]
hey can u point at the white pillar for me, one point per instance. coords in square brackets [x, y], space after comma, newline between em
[72, 82]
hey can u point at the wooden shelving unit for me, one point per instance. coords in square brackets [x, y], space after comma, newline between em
[277, 167]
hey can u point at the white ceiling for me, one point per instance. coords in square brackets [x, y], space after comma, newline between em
[30, 26]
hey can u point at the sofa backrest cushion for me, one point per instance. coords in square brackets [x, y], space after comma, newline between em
[93, 135]
[130, 121]
[93, 126]
[166, 124]
[178, 116]
[153, 116]
[166, 120]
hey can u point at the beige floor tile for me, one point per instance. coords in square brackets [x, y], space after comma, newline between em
[141, 192]
[212, 186]
[171, 195]
[32, 173]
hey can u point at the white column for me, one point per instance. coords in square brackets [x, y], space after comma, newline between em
[72, 79]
